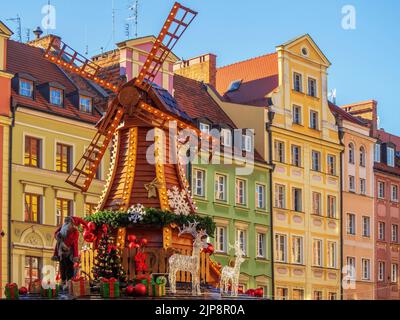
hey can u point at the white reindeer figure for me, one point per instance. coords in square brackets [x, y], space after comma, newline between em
[178, 262]
[232, 273]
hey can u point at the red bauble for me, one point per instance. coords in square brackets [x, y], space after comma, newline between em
[76, 265]
[144, 242]
[88, 236]
[132, 245]
[210, 249]
[132, 238]
[259, 293]
[137, 245]
[140, 289]
[240, 290]
[104, 228]
[130, 290]
[92, 226]
[23, 291]
[250, 292]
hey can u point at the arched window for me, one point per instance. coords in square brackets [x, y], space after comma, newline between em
[351, 153]
[362, 157]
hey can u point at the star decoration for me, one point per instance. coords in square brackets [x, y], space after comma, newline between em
[152, 188]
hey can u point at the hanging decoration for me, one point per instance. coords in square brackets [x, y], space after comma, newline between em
[136, 213]
[152, 188]
[230, 275]
[177, 201]
[178, 262]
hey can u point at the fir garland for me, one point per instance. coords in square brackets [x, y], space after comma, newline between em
[156, 217]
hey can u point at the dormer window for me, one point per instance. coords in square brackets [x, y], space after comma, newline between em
[85, 104]
[247, 143]
[390, 157]
[205, 128]
[377, 152]
[226, 137]
[26, 88]
[56, 96]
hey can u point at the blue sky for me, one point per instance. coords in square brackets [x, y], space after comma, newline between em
[364, 61]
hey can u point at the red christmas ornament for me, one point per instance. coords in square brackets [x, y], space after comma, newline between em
[23, 291]
[92, 226]
[250, 292]
[144, 242]
[88, 236]
[137, 245]
[130, 290]
[140, 289]
[210, 249]
[132, 245]
[131, 238]
[104, 228]
[76, 265]
[259, 293]
[240, 290]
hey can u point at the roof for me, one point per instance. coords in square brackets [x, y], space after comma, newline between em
[338, 111]
[259, 76]
[386, 137]
[23, 58]
[193, 98]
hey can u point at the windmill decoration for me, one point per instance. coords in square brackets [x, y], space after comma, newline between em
[136, 111]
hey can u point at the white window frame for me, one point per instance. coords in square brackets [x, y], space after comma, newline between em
[280, 151]
[351, 224]
[352, 183]
[351, 267]
[60, 99]
[294, 199]
[317, 252]
[241, 237]
[394, 193]
[261, 245]
[314, 123]
[300, 82]
[221, 231]
[199, 182]
[331, 207]
[241, 192]
[280, 191]
[316, 155]
[221, 186]
[297, 114]
[204, 127]
[247, 143]
[293, 154]
[394, 272]
[297, 250]
[381, 190]
[366, 225]
[312, 80]
[395, 233]
[390, 156]
[281, 247]
[226, 137]
[332, 254]
[381, 271]
[260, 196]
[381, 230]
[377, 153]
[83, 106]
[331, 160]
[24, 91]
[363, 186]
[366, 269]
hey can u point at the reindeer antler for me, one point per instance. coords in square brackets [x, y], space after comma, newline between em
[237, 248]
[191, 228]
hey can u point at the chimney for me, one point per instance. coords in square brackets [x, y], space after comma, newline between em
[203, 68]
[38, 32]
[44, 42]
[367, 110]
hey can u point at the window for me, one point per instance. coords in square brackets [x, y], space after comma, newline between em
[56, 96]
[220, 239]
[226, 137]
[297, 248]
[260, 196]
[281, 248]
[316, 206]
[332, 254]
[366, 225]
[26, 88]
[33, 207]
[199, 182]
[331, 207]
[395, 233]
[220, 187]
[314, 120]
[282, 293]
[247, 144]
[332, 296]
[390, 157]
[316, 163]
[63, 158]
[85, 104]
[241, 192]
[33, 148]
[363, 186]
[318, 295]
[235, 85]
[64, 209]
[394, 272]
[362, 157]
[381, 190]
[351, 267]
[297, 118]
[381, 271]
[366, 269]
[280, 196]
[377, 152]
[297, 82]
[280, 151]
[261, 253]
[352, 184]
[317, 253]
[205, 128]
[32, 270]
[242, 238]
[297, 200]
[298, 294]
[331, 165]
[351, 224]
[90, 208]
[312, 87]
[381, 230]
[296, 156]
[395, 193]
[351, 153]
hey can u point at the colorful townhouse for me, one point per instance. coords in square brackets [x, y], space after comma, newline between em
[53, 117]
[239, 204]
[283, 97]
[387, 206]
[5, 124]
[358, 185]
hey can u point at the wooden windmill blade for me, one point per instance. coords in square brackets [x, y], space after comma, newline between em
[85, 170]
[176, 24]
[70, 60]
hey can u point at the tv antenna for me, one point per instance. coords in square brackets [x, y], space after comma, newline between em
[17, 20]
[333, 94]
[133, 17]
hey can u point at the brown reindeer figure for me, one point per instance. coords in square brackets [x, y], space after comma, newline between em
[178, 262]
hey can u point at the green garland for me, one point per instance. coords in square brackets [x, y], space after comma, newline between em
[156, 217]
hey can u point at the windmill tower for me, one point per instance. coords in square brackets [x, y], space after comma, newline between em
[138, 110]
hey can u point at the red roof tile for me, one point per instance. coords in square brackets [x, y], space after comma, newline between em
[23, 58]
[259, 77]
